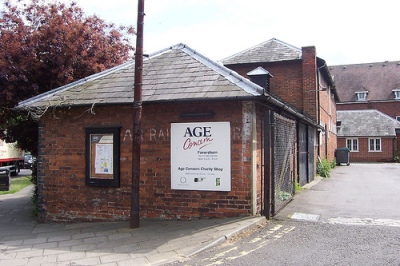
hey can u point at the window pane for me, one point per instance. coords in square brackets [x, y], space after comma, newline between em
[371, 145]
[378, 144]
[355, 145]
[349, 144]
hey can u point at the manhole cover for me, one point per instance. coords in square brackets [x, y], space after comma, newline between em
[305, 217]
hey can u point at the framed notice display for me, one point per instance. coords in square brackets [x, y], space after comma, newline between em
[102, 157]
[201, 156]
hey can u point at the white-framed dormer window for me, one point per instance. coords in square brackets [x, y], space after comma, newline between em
[398, 118]
[374, 145]
[396, 93]
[352, 144]
[361, 95]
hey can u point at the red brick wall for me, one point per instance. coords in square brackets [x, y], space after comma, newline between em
[65, 197]
[310, 94]
[296, 83]
[386, 155]
[286, 82]
[328, 116]
[398, 142]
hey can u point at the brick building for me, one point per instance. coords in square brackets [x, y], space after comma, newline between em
[373, 140]
[214, 144]
[374, 87]
[301, 79]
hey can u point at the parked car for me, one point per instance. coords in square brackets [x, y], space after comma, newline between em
[28, 161]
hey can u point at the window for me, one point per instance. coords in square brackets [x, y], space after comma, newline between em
[362, 95]
[396, 93]
[374, 145]
[398, 118]
[352, 144]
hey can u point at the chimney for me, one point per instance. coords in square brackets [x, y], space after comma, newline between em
[261, 77]
[310, 82]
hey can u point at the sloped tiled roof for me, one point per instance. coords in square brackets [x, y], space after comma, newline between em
[175, 73]
[366, 123]
[272, 50]
[379, 79]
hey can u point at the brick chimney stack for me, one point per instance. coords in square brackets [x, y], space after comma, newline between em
[310, 81]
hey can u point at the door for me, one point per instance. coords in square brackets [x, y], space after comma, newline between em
[311, 154]
[303, 154]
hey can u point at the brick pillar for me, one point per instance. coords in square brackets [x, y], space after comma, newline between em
[310, 82]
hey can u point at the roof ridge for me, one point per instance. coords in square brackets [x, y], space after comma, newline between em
[245, 50]
[168, 49]
[287, 44]
[261, 44]
[375, 111]
[364, 110]
[397, 62]
[229, 74]
[387, 116]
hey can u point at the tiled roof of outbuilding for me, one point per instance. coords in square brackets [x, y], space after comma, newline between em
[175, 73]
[270, 51]
[366, 123]
[379, 79]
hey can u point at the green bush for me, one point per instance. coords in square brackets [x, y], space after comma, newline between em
[324, 166]
[333, 163]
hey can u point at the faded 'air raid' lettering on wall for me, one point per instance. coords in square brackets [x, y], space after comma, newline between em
[160, 134]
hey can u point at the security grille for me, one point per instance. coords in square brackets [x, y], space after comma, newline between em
[284, 161]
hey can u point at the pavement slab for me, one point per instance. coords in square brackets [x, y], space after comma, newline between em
[158, 242]
[155, 242]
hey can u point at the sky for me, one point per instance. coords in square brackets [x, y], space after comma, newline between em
[343, 31]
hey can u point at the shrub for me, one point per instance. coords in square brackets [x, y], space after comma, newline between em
[324, 166]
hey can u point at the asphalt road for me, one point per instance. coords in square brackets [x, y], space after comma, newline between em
[352, 218]
[308, 243]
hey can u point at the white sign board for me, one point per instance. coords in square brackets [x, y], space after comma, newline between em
[201, 156]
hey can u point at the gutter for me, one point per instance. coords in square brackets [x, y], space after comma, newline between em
[282, 106]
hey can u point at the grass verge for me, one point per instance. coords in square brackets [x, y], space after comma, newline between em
[17, 184]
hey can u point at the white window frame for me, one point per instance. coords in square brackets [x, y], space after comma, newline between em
[362, 96]
[373, 147]
[396, 93]
[352, 140]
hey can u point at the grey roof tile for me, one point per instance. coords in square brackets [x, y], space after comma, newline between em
[272, 50]
[379, 79]
[366, 123]
[176, 73]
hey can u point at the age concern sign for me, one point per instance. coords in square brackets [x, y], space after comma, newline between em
[201, 156]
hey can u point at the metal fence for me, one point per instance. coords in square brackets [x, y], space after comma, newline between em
[284, 161]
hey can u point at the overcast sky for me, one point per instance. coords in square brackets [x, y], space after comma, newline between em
[343, 31]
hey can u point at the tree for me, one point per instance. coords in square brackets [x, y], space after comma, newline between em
[44, 46]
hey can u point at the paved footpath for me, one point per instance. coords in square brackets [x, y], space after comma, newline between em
[23, 242]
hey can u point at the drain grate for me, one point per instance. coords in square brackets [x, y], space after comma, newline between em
[305, 217]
